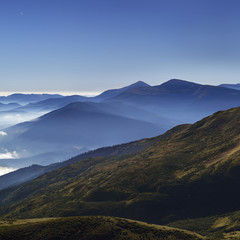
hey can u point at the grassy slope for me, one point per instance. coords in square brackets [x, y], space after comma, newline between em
[86, 228]
[192, 171]
[226, 226]
[26, 174]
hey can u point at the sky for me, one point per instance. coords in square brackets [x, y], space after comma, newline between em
[94, 45]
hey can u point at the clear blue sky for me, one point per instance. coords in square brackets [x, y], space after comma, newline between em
[93, 45]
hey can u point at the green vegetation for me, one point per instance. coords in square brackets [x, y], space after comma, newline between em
[192, 171]
[89, 228]
[226, 226]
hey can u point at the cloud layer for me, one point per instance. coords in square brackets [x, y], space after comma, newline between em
[2, 133]
[9, 155]
[5, 170]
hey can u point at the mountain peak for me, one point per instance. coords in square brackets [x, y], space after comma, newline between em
[172, 83]
[139, 84]
[114, 92]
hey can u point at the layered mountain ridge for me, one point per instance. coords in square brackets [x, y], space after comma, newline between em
[78, 125]
[157, 107]
[190, 172]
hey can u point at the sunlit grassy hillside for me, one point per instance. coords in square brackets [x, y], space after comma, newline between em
[225, 226]
[89, 228]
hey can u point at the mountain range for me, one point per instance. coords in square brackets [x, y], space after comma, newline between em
[233, 86]
[181, 100]
[61, 127]
[26, 98]
[75, 126]
[28, 173]
[191, 171]
[115, 92]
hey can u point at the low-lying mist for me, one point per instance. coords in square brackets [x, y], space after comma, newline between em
[10, 118]
[5, 170]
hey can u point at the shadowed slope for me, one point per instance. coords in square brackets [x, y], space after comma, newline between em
[28, 173]
[225, 226]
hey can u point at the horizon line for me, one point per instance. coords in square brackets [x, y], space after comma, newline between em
[63, 93]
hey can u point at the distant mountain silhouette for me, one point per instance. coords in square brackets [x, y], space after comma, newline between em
[175, 99]
[182, 91]
[54, 103]
[233, 86]
[78, 125]
[101, 120]
[27, 98]
[111, 107]
[8, 106]
[181, 100]
[114, 92]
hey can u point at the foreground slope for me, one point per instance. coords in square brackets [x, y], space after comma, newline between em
[89, 228]
[225, 226]
[28, 173]
[191, 171]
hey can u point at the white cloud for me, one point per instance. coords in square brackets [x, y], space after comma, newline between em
[7, 120]
[9, 155]
[78, 147]
[13, 117]
[2, 133]
[5, 170]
